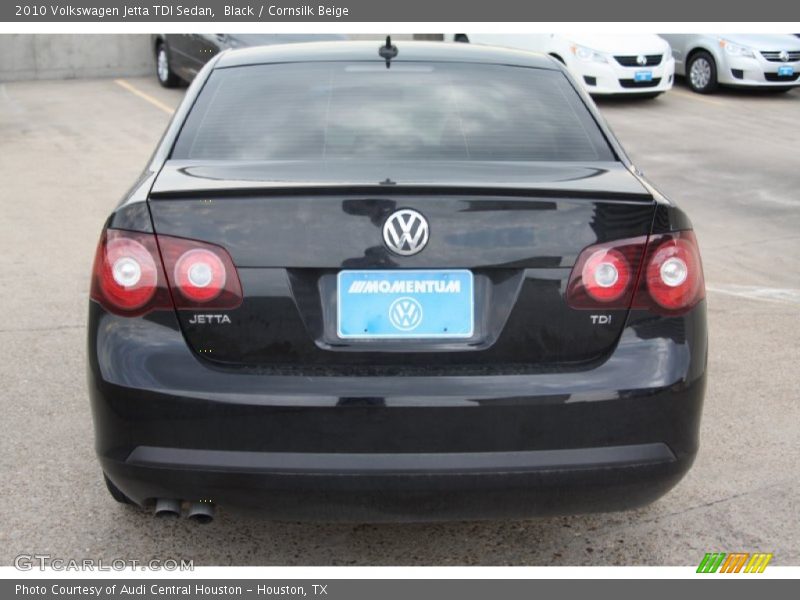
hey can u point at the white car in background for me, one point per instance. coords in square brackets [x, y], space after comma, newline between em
[604, 64]
[709, 60]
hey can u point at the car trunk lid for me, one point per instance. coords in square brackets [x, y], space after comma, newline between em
[292, 227]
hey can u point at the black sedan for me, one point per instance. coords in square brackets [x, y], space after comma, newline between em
[381, 282]
[179, 57]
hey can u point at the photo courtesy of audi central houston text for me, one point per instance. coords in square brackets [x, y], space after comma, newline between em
[394, 280]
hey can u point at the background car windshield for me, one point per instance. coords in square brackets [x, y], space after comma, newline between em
[411, 111]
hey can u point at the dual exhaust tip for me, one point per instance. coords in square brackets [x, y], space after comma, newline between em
[200, 512]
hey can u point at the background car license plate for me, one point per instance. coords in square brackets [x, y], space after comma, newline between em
[405, 304]
[643, 76]
[785, 71]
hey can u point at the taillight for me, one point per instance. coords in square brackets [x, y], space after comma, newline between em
[201, 275]
[662, 274]
[673, 279]
[127, 278]
[604, 275]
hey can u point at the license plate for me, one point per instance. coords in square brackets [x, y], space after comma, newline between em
[785, 71]
[405, 304]
[643, 76]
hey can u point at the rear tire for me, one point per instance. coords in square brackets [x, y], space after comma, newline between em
[115, 492]
[166, 77]
[701, 73]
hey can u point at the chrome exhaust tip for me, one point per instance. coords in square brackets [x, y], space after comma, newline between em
[201, 512]
[167, 507]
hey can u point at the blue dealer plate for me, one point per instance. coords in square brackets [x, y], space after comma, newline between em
[785, 71]
[643, 76]
[405, 304]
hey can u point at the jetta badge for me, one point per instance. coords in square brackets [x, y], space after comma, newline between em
[783, 55]
[641, 60]
[405, 232]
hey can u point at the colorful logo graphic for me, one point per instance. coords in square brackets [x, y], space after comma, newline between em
[736, 562]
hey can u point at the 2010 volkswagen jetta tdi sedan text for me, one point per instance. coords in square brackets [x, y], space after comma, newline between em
[372, 282]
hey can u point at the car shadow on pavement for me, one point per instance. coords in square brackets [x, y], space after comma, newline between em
[241, 539]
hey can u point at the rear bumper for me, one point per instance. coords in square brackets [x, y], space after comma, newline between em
[437, 487]
[608, 436]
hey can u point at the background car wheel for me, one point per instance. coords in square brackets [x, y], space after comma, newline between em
[702, 73]
[115, 492]
[164, 73]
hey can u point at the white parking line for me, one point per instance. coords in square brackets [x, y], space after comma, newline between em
[752, 292]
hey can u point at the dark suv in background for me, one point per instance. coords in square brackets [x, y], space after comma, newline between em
[180, 56]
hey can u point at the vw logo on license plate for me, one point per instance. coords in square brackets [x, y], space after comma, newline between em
[405, 313]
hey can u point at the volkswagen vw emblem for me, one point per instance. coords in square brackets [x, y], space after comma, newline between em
[783, 55]
[405, 314]
[641, 60]
[405, 232]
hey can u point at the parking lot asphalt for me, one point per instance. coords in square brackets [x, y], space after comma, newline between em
[70, 149]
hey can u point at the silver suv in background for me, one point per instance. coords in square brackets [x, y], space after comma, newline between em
[709, 60]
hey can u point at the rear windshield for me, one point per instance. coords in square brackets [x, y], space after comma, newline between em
[411, 111]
